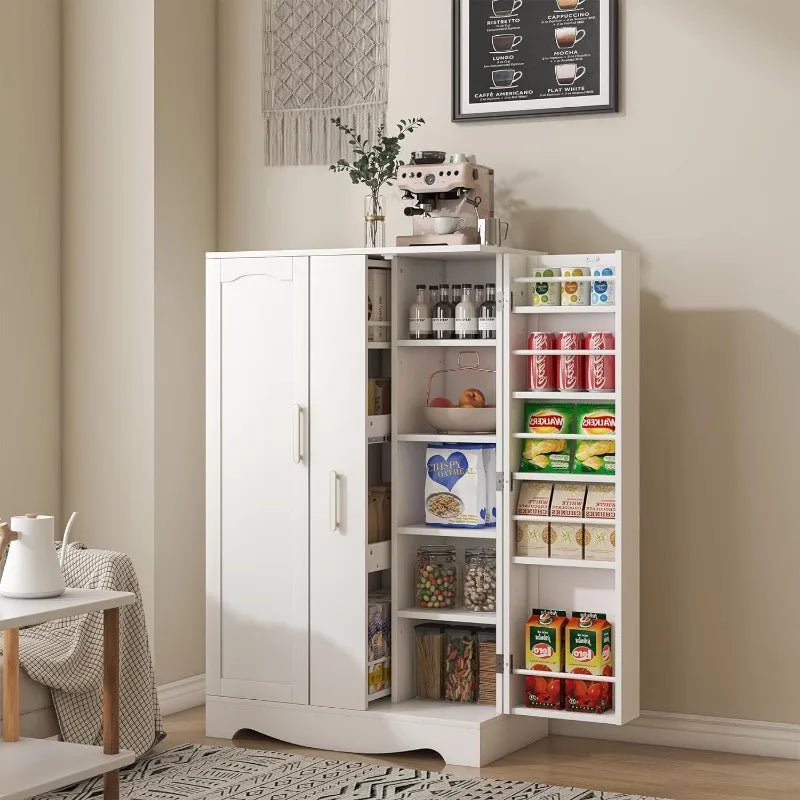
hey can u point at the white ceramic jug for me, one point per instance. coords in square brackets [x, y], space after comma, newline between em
[32, 568]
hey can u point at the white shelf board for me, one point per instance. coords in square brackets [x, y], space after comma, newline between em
[379, 428]
[464, 344]
[609, 718]
[379, 695]
[564, 310]
[383, 324]
[453, 615]
[429, 252]
[568, 675]
[460, 438]
[379, 556]
[572, 436]
[462, 533]
[572, 397]
[570, 279]
[437, 711]
[563, 352]
[33, 766]
[21, 612]
[532, 561]
[379, 345]
[565, 520]
[569, 477]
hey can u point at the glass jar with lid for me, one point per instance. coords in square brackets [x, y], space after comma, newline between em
[436, 577]
[480, 579]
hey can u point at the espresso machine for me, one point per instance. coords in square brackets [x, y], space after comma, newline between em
[450, 196]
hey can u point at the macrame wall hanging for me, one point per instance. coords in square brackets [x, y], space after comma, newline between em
[322, 59]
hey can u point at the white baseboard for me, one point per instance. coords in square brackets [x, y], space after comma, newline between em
[748, 737]
[182, 694]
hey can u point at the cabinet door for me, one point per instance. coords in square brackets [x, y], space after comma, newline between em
[261, 477]
[338, 481]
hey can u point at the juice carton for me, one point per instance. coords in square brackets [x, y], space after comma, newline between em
[587, 642]
[596, 457]
[544, 652]
[547, 455]
[566, 538]
[599, 538]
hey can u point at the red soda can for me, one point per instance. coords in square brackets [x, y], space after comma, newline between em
[542, 368]
[599, 369]
[570, 370]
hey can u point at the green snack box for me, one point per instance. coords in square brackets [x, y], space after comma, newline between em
[596, 457]
[547, 455]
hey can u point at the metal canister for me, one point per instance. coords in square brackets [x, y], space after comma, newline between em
[570, 373]
[541, 367]
[599, 368]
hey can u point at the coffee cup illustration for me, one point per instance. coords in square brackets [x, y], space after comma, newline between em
[505, 42]
[569, 5]
[569, 37]
[505, 78]
[505, 8]
[567, 74]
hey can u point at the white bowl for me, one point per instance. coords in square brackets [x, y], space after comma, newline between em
[461, 420]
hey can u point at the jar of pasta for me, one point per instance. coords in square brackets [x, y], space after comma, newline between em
[480, 579]
[436, 577]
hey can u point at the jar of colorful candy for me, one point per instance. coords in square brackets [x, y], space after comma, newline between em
[436, 577]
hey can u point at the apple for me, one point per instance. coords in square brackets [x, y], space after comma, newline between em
[440, 402]
[472, 398]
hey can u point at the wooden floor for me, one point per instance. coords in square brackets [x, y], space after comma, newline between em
[639, 769]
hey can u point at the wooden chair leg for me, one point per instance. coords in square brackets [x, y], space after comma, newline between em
[11, 685]
[111, 698]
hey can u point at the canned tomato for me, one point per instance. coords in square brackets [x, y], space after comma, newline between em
[570, 370]
[599, 368]
[542, 368]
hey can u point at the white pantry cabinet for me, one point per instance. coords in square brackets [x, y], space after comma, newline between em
[292, 452]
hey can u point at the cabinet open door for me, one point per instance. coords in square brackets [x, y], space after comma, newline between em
[258, 478]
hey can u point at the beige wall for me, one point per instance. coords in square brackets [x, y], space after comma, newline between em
[699, 174]
[30, 233]
[185, 228]
[107, 301]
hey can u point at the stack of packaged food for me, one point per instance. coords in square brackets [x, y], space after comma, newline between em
[379, 640]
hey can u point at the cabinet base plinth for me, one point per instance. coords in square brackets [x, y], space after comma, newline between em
[384, 728]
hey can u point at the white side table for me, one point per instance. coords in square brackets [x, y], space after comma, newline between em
[31, 766]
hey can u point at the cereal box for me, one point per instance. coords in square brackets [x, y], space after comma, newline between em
[546, 293]
[603, 289]
[575, 293]
[544, 652]
[597, 457]
[599, 539]
[533, 538]
[588, 646]
[566, 537]
[455, 487]
[547, 455]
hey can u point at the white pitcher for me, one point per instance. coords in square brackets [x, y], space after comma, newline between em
[32, 568]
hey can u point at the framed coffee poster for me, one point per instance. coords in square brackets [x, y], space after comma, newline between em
[517, 58]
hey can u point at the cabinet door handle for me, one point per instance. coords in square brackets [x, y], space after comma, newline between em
[334, 501]
[297, 444]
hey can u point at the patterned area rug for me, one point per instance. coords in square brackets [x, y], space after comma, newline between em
[195, 772]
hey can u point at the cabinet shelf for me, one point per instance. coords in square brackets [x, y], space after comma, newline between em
[422, 529]
[564, 310]
[570, 436]
[455, 615]
[565, 520]
[379, 428]
[559, 477]
[563, 562]
[460, 438]
[437, 711]
[609, 718]
[570, 279]
[379, 346]
[568, 675]
[379, 556]
[465, 344]
[379, 695]
[572, 397]
[563, 352]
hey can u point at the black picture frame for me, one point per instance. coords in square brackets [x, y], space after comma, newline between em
[609, 19]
